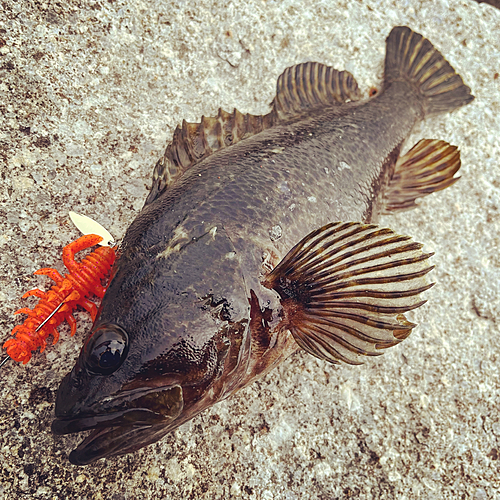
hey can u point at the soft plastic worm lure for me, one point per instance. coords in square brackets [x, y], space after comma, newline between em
[57, 304]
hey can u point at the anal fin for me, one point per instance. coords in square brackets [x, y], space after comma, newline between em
[428, 167]
[345, 288]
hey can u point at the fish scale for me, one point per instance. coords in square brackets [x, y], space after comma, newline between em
[240, 179]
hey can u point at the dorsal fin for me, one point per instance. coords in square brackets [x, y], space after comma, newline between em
[299, 88]
[192, 142]
[312, 85]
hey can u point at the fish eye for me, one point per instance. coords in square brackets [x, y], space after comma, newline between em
[105, 350]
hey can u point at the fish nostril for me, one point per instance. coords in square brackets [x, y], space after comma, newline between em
[76, 383]
[64, 402]
[69, 394]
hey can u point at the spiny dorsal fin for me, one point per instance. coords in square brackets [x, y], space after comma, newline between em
[192, 142]
[311, 85]
[344, 289]
[299, 88]
[428, 167]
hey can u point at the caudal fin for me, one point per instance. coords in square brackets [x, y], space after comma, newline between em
[413, 58]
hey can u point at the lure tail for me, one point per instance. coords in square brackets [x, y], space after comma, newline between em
[413, 58]
[57, 304]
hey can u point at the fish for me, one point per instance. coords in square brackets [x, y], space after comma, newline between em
[259, 238]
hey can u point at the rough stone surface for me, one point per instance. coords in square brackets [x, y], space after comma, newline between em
[90, 92]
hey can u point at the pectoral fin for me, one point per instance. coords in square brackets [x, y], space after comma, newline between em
[428, 167]
[344, 289]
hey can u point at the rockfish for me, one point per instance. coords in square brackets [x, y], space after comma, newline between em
[258, 239]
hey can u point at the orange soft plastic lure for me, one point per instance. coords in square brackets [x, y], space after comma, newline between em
[57, 304]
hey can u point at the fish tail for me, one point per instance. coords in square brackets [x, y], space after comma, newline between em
[413, 58]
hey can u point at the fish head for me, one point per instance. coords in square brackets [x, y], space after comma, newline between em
[170, 340]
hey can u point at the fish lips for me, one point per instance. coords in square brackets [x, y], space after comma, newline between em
[123, 431]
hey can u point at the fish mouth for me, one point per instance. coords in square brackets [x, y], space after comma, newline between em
[112, 441]
[123, 431]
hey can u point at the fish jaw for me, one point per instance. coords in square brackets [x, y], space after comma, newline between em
[150, 414]
[112, 441]
[134, 415]
[138, 417]
[123, 432]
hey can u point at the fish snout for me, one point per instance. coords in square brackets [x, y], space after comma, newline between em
[71, 394]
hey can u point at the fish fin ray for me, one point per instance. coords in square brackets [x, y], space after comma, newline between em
[413, 58]
[312, 85]
[428, 167]
[382, 274]
[299, 88]
[193, 142]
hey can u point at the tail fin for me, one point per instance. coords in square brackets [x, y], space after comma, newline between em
[412, 58]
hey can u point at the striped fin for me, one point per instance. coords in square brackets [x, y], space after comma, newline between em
[193, 142]
[428, 167]
[345, 288]
[411, 57]
[312, 85]
[299, 89]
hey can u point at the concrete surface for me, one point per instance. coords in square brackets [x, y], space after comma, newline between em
[90, 92]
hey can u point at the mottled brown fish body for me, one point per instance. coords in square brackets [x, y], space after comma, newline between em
[238, 258]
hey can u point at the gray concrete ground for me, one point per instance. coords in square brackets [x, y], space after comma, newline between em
[90, 92]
